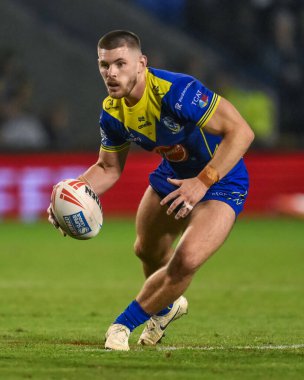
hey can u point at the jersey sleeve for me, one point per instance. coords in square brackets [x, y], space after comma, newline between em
[192, 102]
[111, 139]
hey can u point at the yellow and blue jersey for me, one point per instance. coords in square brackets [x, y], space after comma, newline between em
[169, 119]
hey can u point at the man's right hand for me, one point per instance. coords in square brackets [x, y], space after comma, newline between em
[52, 219]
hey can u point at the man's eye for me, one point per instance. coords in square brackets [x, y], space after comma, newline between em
[104, 65]
[120, 64]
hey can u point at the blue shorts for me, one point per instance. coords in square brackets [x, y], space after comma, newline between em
[231, 189]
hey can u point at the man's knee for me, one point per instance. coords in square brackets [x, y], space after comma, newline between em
[143, 251]
[149, 252]
[139, 250]
[183, 265]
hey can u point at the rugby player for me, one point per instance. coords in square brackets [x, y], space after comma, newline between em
[197, 190]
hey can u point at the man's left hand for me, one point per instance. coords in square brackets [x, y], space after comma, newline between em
[190, 191]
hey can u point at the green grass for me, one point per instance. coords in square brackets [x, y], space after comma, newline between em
[58, 296]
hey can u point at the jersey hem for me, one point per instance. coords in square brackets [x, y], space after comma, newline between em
[112, 149]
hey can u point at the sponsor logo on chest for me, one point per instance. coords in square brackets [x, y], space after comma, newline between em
[175, 153]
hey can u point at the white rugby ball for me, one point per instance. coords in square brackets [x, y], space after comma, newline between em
[77, 209]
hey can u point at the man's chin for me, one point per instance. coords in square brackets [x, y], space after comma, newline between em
[116, 94]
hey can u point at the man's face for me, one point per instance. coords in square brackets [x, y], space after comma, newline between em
[120, 69]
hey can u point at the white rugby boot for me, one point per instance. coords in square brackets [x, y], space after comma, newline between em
[117, 338]
[156, 325]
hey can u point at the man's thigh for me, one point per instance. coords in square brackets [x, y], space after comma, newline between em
[153, 226]
[209, 225]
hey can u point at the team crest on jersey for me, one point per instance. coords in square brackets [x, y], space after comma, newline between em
[171, 124]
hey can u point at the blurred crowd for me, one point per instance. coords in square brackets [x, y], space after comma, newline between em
[23, 127]
[266, 39]
[261, 70]
[261, 41]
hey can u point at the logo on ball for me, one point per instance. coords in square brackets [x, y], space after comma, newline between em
[77, 223]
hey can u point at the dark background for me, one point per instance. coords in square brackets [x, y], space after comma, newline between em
[248, 51]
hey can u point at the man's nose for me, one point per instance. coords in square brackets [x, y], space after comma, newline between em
[112, 72]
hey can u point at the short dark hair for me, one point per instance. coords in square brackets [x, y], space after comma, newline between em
[119, 38]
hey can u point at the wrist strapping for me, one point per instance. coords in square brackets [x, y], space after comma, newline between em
[209, 175]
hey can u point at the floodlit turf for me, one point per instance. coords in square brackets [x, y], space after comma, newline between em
[58, 296]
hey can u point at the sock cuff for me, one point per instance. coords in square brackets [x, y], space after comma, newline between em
[165, 310]
[140, 310]
[133, 316]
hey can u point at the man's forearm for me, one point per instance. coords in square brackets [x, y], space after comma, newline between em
[232, 148]
[99, 178]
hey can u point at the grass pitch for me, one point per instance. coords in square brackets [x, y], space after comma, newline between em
[58, 296]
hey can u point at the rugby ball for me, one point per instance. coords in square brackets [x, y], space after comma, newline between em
[77, 209]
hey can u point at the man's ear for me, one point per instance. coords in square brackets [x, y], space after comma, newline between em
[143, 60]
